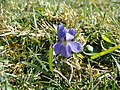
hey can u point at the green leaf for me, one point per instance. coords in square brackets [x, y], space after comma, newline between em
[50, 58]
[106, 39]
[105, 52]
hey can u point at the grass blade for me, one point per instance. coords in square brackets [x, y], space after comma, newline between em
[118, 65]
[50, 58]
[105, 52]
[39, 61]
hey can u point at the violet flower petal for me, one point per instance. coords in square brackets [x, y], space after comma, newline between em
[75, 46]
[69, 37]
[61, 32]
[57, 47]
[72, 31]
[66, 51]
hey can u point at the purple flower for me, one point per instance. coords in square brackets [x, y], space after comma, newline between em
[65, 47]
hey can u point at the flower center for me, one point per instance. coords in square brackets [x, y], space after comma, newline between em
[64, 43]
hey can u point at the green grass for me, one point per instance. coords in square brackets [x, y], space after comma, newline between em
[28, 32]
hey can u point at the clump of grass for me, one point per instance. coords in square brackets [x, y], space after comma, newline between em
[28, 32]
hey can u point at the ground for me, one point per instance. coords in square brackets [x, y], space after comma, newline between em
[28, 32]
